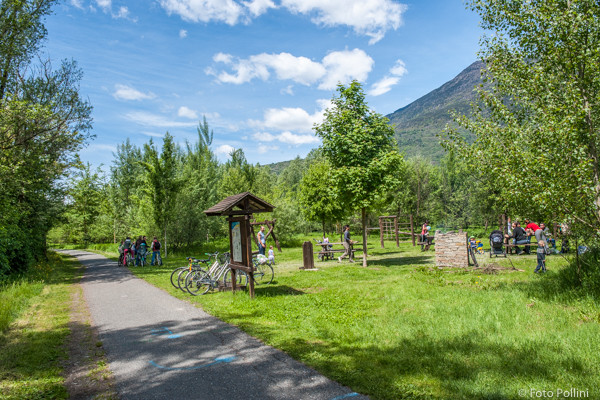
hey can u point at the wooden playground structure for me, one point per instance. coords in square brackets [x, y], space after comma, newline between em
[390, 229]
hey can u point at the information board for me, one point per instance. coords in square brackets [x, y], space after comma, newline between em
[236, 242]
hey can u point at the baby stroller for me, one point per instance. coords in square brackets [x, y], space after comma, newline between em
[497, 244]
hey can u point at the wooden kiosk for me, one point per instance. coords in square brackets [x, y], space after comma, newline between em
[239, 209]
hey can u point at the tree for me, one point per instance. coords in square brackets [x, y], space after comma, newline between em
[162, 182]
[359, 145]
[86, 198]
[537, 127]
[317, 196]
[43, 123]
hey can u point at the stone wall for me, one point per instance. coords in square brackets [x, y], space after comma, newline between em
[451, 249]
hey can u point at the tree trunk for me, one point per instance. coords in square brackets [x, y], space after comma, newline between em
[165, 241]
[364, 235]
[323, 228]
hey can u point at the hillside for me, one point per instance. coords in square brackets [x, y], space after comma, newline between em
[418, 123]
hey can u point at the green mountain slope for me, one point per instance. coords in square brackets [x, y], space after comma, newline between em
[418, 123]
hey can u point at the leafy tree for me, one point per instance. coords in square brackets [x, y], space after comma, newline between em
[359, 145]
[43, 123]
[537, 128]
[86, 195]
[317, 196]
[162, 183]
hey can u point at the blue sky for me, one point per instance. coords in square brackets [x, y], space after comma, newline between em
[261, 71]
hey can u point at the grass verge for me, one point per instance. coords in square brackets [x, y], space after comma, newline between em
[35, 326]
[403, 329]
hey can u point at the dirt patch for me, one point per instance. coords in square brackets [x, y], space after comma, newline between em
[86, 370]
[493, 268]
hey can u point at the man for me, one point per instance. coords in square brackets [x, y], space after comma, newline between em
[155, 251]
[520, 237]
[534, 229]
[262, 241]
[347, 245]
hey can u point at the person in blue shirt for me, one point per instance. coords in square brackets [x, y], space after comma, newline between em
[261, 241]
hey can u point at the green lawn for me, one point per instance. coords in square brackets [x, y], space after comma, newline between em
[401, 328]
[34, 317]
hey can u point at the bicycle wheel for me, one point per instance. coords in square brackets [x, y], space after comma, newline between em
[264, 274]
[129, 261]
[142, 260]
[158, 260]
[241, 278]
[181, 278]
[120, 262]
[198, 282]
[174, 276]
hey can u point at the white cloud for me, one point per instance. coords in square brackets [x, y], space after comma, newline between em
[399, 69]
[288, 90]
[338, 66]
[122, 13]
[158, 121]
[344, 66]
[385, 84]
[153, 134]
[286, 137]
[367, 17]
[258, 7]
[263, 148]
[124, 92]
[227, 11]
[224, 149]
[105, 5]
[77, 3]
[289, 119]
[186, 112]
[182, 33]
[372, 18]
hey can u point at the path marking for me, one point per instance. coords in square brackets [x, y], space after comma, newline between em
[218, 360]
[162, 331]
[345, 396]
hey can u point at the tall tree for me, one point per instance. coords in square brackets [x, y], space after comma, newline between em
[162, 182]
[359, 144]
[538, 127]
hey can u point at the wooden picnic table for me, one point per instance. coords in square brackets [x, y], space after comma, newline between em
[326, 253]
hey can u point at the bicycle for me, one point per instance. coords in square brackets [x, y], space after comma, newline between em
[200, 282]
[158, 260]
[192, 263]
[143, 258]
[263, 272]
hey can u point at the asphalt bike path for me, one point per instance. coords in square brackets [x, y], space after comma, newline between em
[160, 347]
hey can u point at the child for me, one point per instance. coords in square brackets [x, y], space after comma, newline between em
[271, 254]
[541, 257]
[472, 242]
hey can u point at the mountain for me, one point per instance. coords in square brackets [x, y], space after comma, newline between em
[417, 124]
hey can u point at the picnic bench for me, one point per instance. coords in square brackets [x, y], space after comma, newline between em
[327, 253]
[510, 246]
[426, 244]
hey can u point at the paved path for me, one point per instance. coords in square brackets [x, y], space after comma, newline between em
[160, 347]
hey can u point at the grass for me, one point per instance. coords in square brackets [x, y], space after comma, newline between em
[35, 312]
[403, 329]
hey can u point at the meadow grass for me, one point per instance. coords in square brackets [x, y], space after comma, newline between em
[403, 329]
[35, 311]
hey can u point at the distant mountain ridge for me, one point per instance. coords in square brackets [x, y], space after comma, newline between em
[417, 124]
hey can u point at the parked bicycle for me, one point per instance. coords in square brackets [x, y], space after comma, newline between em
[263, 270]
[199, 282]
[193, 263]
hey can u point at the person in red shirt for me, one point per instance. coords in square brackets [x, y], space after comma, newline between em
[534, 229]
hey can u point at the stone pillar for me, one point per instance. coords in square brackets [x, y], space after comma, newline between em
[451, 249]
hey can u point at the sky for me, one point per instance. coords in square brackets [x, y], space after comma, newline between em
[262, 72]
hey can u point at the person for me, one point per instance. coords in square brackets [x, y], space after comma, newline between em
[509, 226]
[347, 245]
[271, 254]
[143, 249]
[424, 234]
[155, 247]
[541, 257]
[549, 239]
[519, 236]
[121, 252]
[534, 229]
[472, 242]
[127, 249]
[138, 244]
[261, 240]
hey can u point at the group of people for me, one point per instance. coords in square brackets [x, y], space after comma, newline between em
[139, 249]
[522, 236]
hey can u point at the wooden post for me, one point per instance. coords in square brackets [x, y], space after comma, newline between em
[381, 233]
[412, 230]
[396, 231]
[308, 260]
